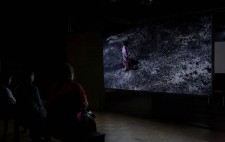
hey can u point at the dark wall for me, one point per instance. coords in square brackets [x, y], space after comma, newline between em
[201, 111]
[33, 41]
[159, 105]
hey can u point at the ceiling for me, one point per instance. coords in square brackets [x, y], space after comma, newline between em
[139, 9]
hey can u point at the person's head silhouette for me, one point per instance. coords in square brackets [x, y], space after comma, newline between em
[65, 72]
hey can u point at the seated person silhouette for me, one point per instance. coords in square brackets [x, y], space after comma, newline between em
[7, 100]
[66, 105]
[31, 113]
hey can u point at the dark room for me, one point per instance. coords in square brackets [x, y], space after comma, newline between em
[113, 71]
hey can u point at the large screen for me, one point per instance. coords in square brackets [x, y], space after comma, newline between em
[171, 55]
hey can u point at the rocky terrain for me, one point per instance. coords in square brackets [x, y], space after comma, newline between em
[173, 56]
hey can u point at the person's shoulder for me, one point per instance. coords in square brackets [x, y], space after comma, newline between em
[3, 89]
[34, 87]
[76, 84]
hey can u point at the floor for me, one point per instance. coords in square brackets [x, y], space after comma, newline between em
[124, 128]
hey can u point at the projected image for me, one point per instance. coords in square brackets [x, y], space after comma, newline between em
[173, 56]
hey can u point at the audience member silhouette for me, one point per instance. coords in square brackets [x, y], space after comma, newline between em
[66, 105]
[7, 100]
[31, 113]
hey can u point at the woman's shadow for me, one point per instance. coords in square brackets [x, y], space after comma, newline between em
[134, 64]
